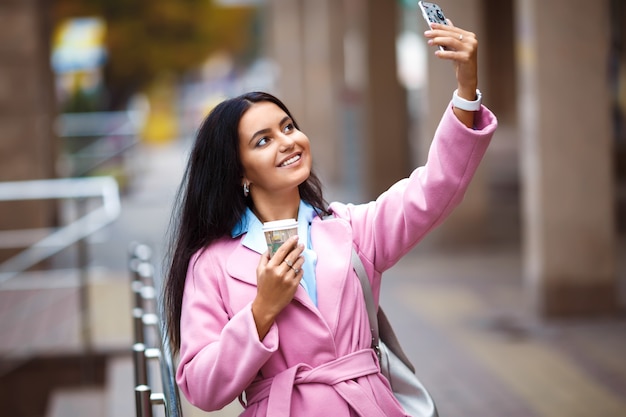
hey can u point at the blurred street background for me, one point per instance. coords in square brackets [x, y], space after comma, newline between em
[514, 307]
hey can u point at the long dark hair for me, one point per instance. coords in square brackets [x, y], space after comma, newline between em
[210, 200]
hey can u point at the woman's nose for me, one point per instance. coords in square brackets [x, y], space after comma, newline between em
[286, 142]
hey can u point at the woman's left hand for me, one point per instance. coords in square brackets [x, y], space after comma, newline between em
[461, 47]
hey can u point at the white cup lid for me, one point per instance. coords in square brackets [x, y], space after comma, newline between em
[280, 224]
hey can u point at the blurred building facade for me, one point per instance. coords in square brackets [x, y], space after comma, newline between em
[27, 107]
[545, 71]
[550, 73]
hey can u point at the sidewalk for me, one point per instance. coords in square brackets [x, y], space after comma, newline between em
[481, 353]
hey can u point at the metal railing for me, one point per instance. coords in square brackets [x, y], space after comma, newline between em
[110, 135]
[56, 240]
[150, 341]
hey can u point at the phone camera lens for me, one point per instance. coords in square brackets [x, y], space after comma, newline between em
[440, 15]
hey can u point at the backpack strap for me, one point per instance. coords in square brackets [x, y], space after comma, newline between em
[367, 294]
[379, 324]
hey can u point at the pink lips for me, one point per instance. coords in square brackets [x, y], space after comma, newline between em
[296, 156]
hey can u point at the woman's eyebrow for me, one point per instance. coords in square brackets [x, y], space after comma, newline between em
[260, 132]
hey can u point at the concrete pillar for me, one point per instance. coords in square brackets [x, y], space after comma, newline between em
[569, 222]
[26, 91]
[305, 40]
[285, 45]
[498, 58]
[468, 223]
[387, 154]
[28, 147]
[323, 83]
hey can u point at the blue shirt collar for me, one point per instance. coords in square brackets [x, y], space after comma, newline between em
[252, 226]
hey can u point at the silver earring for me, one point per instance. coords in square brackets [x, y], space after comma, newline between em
[246, 189]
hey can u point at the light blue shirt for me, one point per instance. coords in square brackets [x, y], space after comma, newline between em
[255, 240]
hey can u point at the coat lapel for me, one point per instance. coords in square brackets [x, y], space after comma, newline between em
[332, 241]
[241, 265]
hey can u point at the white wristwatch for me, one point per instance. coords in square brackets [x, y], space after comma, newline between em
[467, 105]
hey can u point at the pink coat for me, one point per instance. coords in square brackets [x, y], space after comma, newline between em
[318, 361]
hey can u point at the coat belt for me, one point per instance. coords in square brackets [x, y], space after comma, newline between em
[338, 373]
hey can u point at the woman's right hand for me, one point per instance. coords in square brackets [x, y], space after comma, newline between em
[277, 283]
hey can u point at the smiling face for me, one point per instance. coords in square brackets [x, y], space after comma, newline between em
[276, 156]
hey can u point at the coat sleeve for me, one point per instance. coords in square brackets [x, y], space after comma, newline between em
[219, 356]
[386, 229]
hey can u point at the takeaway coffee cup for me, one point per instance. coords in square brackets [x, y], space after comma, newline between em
[277, 233]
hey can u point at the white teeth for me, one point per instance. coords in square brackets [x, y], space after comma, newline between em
[290, 161]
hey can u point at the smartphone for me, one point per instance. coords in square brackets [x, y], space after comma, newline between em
[432, 14]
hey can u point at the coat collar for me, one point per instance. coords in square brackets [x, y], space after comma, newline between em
[253, 228]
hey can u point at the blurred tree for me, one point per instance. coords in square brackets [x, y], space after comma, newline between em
[147, 38]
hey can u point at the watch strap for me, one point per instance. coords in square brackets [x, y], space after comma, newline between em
[467, 105]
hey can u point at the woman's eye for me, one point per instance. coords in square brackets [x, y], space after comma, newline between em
[288, 127]
[262, 141]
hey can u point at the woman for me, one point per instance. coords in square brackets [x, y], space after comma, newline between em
[290, 332]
